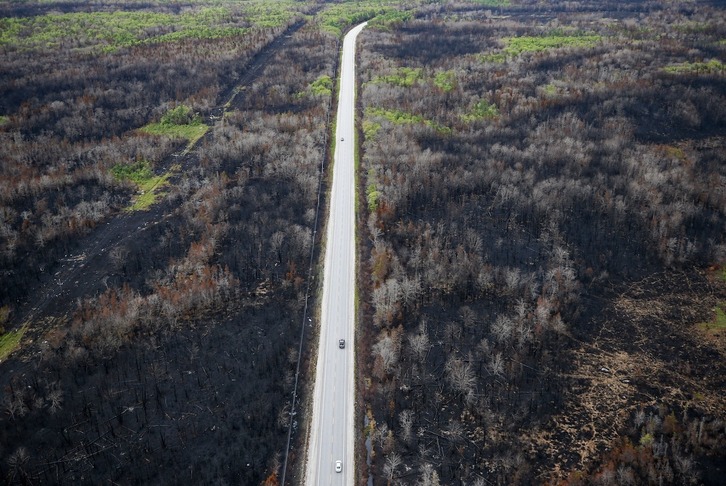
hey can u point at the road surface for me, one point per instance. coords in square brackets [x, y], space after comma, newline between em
[332, 429]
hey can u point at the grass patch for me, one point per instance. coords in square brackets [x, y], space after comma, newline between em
[149, 184]
[10, 341]
[518, 45]
[192, 133]
[4, 119]
[718, 323]
[150, 192]
[179, 122]
[445, 80]
[713, 66]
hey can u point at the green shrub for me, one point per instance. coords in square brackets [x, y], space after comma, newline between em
[445, 80]
[323, 86]
[483, 109]
[404, 77]
[181, 115]
[517, 45]
[138, 172]
[713, 66]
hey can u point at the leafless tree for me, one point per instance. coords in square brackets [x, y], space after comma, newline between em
[388, 348]
[502, 329]
[419, 342]
[460, 374]
[405, 418]
[496, 365]
[429, 476]
[393, 460]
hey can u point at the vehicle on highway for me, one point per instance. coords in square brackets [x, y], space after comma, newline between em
[338, 466]
[341, 343]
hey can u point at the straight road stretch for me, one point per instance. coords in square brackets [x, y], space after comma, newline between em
[332, 430]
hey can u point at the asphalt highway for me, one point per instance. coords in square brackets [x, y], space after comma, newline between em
[332, 429]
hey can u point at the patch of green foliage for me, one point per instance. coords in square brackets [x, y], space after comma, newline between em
[192, 133]
[181, 115]
[9, 341]
[713, 66]
[646, 440]
[401, 117]
[336, 17]
[445, 80]
[112, 30]
[389, 19]
[719, 320]
[372, 194]
[493, 3]
[404, 77]
[264, 13]
[4, 119]
[694, 27]
[370, 129]
[517, 45]
[323, 86]
[495, 57]
[148, 183]
[149, 192]
[139, 172]
[483, 109]
[180, 122]
[550, 89]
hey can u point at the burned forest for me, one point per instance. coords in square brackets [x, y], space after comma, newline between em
[544, 240]
[159, 200]
[541, 240]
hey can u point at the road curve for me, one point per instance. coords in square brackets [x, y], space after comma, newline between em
[332, 430]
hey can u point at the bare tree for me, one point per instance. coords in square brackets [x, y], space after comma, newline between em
[429, 476]
[410, 289]
[388, 348]
[55, 400]
[496, 365]
[502, 329]
[460, 374]
[419, 342]
[406, 420]
[393, 460]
